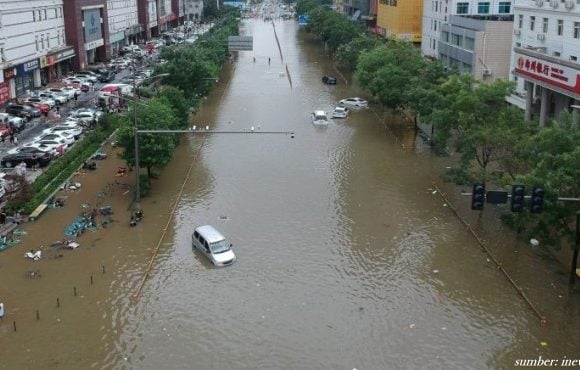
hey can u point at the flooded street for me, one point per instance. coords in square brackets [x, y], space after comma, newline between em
[346, 258]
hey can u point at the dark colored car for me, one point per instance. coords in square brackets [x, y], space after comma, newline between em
[107, 76]
[19, 110]
[329, 80]
[13, 160]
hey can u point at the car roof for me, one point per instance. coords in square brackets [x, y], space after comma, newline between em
[319, 113]
[210, 234]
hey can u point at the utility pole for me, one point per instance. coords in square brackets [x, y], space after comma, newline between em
[576, 249]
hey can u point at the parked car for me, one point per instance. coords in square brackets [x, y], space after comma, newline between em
[13, 160]
[11, 122]
[58, 145]
[72, 90]
[85, 117]
[58, 99]
[340, 112]
[62, 135]
[88, 75]
[42, 107]
[19, 110]
[107, 76]
[214, 245]
[31, 149]
[354, 103]
[37, 99]
[329, 80]
[75, 132]
[70, 94]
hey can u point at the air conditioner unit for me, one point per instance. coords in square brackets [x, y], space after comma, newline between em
[486, 72]
[517, 32]
[554, 3]
[569, 4]
[541, 36]
[539, 2]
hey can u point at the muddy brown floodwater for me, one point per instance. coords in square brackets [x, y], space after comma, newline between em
[346, 257]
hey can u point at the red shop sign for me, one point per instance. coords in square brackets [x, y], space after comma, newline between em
[4, 92]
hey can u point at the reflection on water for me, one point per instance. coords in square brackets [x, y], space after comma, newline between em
[345, 256]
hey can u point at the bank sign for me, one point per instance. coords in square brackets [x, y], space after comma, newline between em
[566, 78]
[92, 25]
[28, 67]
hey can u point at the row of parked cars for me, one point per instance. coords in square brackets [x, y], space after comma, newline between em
[54, 141]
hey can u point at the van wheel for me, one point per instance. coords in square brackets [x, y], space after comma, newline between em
[9, 164]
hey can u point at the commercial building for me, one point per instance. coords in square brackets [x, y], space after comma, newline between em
[165, 15]
[400, 19]
[193, 10]
[147, 10]
[479, 47]
[546, 57]
[33, 45]
[124, 27]
[87, 28]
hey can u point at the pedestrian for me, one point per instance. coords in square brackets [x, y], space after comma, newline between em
[15, 140]
[11, 138]
[268, 60]
[58, 110]
[34, 161]
[3, 138]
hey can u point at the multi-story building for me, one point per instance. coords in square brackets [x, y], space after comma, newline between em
[124, 27]
[400, 19]
[164, 14]
[546, 57]
[147, 10]
[354, 9]
[87, 29]
[33, 45]
[178, 8]
[193, 10]
[478, 47]
[437, 12]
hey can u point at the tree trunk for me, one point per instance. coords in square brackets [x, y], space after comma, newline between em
[576, 249]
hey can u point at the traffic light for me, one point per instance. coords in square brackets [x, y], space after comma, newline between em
[477, 197]
[518, 193]
[537, 205]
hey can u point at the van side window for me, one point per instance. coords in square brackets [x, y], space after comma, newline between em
[196, 234]
[206, 245]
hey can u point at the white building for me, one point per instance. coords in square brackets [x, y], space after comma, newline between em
[193, 10]
[123, 23]
[437, 12]
[33, 47]
[546, 56]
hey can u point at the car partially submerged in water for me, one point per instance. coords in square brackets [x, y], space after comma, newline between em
[319, 118]
[214, 245]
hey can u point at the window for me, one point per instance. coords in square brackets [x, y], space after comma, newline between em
[435, 26]
[445, 36]
[36, 43]
[456, 39]
[545, 25]
[560, 27]
[505, 7]
[532, 23]
[56, 12]
[42, 41]
[483, 8]
[45, 14]
[577, 30]
[520, 21]
[436, 6]
[462, 8]
[48, 40]
[518, 44]
[557, 54]
[34, 15]
[469, 43]
[573, 58]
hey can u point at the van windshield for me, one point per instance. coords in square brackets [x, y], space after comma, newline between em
[220, 247]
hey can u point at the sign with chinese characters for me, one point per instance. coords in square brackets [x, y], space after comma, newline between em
[64, 54]
[28, 66]
[554, 74]
[92, 25]
[4, 92]
[94, 44]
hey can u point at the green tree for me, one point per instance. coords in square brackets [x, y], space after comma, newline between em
[175, 98]
[347, 54]
[155, 150]
[387, 70]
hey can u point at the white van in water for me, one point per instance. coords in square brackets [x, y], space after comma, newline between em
[214, 245]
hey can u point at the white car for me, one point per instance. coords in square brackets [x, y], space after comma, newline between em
[58, 147]
[63, 137]
[85, 117]
[32, 148]
[70, 94]
[354, 103]
[75, 130]
[88, 75]
[43, 99]
[57, 97]
[340, 112]
[214, 245]
[319, 118]
[73, 91]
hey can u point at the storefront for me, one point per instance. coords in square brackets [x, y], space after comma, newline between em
[117, 40]
[93, 33]
[54, 66]
[132, 34]
[4, 92]
[27, 77]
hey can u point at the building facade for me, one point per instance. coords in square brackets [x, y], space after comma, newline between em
[545, 61]
[481, 48]
[193, 10]
[147, 10]
[124, 27]
[165, 15]
[33, 45]
[437, 12]
[86, 23]
[400, 19]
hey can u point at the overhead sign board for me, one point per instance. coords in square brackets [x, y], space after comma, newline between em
[240, 43]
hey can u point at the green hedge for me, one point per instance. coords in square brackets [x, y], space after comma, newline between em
[61, 169]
